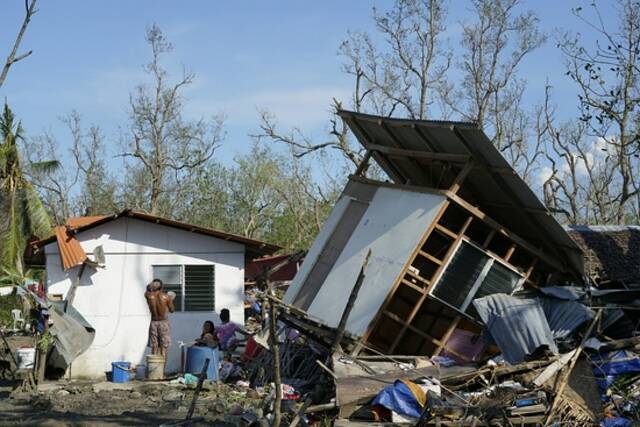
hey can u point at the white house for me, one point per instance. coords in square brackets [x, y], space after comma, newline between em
[204, 267]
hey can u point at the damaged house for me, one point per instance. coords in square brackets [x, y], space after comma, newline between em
[455, 224]
[102, 265]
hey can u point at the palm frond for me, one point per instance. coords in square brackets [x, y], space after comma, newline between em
[11, 236]
[35, 212]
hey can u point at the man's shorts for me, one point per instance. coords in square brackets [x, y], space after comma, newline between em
[160, 333]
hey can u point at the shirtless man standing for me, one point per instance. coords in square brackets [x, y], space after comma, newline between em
[160, 305]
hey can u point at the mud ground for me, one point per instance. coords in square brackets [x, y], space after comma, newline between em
[133, 404]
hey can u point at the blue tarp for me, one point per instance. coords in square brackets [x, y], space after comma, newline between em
[400, 399]
[607, 366]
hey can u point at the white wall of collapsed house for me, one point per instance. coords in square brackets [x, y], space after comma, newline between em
[112, 298]
[392, 225]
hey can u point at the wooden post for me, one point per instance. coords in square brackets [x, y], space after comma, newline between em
[275, 351]
[203, 375]
[350, 303]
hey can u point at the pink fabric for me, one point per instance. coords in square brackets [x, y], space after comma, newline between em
[226, 334]
[464, 342]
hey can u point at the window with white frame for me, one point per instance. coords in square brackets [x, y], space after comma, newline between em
[194, 285]
[472, 273]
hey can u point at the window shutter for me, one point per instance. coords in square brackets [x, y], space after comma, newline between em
[199, 287]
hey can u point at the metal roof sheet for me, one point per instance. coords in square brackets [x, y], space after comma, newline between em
[492, 184]
[71, 252]
[254, 247]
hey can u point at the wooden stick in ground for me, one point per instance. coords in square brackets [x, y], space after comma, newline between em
[275, 351]
[350, 303]
[203, 375]
[572, 363]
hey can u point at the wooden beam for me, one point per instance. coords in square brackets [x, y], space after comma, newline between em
[436, 275]
[462, 175]
[391, 170]
[403, 272]
[473, 210]
[499, 181]
[500, 229]
[452, 327]
[418, 154]
[364, 163]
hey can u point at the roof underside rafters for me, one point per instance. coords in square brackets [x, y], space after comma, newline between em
[433, 153]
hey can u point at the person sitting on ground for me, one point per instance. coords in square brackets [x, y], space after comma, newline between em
[226, 332]
[208, 336]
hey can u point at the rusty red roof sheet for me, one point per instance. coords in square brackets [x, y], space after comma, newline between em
[71, 252]
[81, 221]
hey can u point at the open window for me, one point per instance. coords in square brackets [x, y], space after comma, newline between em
[473, 273]
[194, 285]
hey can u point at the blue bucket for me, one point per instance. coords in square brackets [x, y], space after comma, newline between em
[120, 372]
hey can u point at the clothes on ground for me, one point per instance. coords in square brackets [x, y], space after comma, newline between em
[160, 333]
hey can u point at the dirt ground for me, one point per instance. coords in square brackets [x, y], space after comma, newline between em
[134, 404]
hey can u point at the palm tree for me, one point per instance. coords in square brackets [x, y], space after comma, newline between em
[22, 212]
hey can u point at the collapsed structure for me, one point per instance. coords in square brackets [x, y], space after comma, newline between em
[456, 224]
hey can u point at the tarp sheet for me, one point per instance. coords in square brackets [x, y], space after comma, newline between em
[403, 397]
[607, 366]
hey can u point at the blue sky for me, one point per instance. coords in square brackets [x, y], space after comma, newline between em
[280, 55]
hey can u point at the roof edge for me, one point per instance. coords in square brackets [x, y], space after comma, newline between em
[257, 245]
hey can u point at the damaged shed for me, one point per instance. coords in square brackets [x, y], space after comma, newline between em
[456, 224]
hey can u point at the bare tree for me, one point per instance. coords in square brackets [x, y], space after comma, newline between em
[30, 10]
[493, 47]
[608, 81]
[82, 185]
[301, 145]
[163, 147]
[403, 74]
[54, 185]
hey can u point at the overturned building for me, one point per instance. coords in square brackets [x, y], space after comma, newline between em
[456, 224]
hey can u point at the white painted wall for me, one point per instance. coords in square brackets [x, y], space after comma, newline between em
[112, 299]
[391, 227]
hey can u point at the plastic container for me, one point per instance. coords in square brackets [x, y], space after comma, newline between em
[120, 372]
[141, 372]
[195, 361]
[26, 357]
[155, 367]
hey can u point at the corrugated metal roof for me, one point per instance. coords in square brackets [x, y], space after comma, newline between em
[254, 247]
[492, 184]
[71, 252]
[81, 221]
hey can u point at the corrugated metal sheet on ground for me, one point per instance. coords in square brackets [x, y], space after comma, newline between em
[520, 325]
[517, 325]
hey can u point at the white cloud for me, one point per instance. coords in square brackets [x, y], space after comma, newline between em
[544, 174]
[302, 107]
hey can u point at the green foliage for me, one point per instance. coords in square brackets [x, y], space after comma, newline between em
[20, 204]
[8, 303]
[263, 195]
[45, 342]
